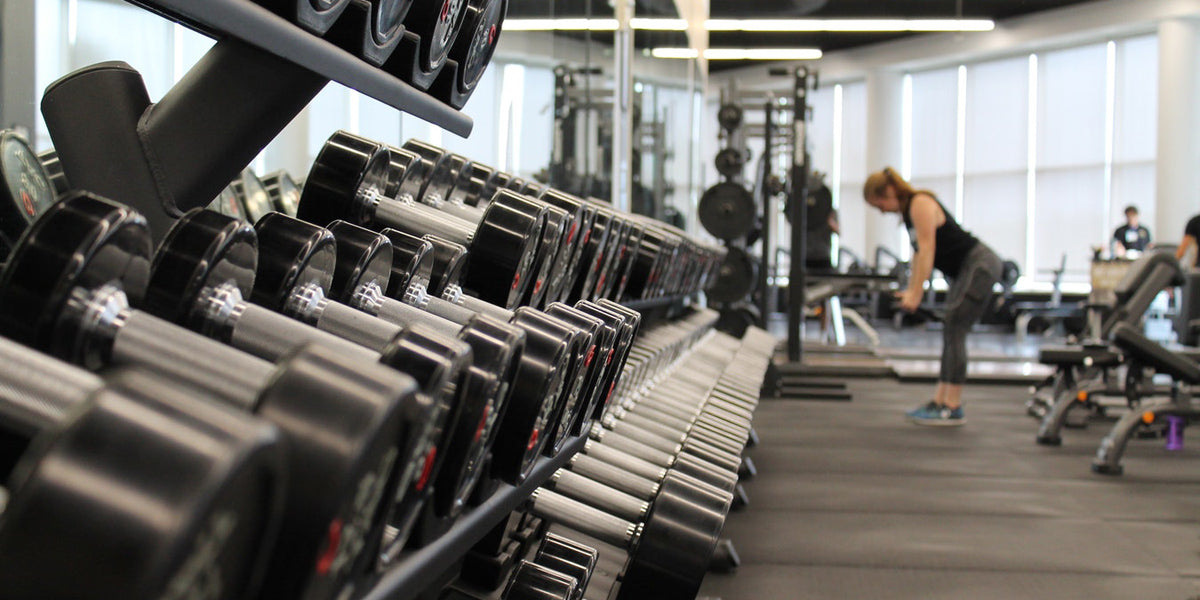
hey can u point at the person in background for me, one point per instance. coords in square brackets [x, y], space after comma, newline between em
[1131, 235]
[970, 265]
[1187, 251]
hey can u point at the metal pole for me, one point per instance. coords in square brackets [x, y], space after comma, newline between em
[766, 295]
[799, 194]
[622, 131]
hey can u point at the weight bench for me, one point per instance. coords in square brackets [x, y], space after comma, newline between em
[1177, 413]
[1145, 278]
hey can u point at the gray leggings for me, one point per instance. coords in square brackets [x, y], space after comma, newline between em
[968, 297]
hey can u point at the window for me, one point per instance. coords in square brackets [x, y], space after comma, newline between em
[995, 161]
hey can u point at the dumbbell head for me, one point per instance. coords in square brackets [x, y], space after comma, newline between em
[28, 191]
[570, 558]
[203, 250]
[472, 51]
[283, 191]
[251, 192]
[668, 551]
[412, 261]
[364, 261]
[292, 253]
[532, 581]
[206, 507]
[448, 260]
[81, 242]
[437, 24]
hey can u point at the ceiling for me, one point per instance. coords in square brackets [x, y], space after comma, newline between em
[997, 10]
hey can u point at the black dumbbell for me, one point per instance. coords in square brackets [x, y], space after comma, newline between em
[316, 16]
[532, 581]
[668, 552]
[347, 182]
[283, 191]
[208, 263]
[371, 29]
[554, 362]
[252, 194]
[54, 170]
[202, 515]
[472, 52]
[66, 291]
[27, 190]
[431, 29]
[568, 557]
[435, 174]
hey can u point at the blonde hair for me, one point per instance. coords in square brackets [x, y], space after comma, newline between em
[878, 181]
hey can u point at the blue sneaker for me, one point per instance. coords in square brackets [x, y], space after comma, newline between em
[935, 414]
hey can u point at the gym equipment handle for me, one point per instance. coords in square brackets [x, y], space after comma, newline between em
[614, 476]
[190, 357]
[38, 390]
[577, 515]
[599, 495]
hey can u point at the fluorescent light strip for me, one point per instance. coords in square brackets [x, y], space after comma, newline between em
[639, 23]
[740, 53]
[848, 25]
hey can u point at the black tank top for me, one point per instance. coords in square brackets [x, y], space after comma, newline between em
[953, 242]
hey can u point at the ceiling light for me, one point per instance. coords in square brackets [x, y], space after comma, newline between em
[639, 23]
[740, 53]
[866, 25]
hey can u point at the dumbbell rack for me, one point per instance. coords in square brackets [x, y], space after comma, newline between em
[173, 155]
[414, 571]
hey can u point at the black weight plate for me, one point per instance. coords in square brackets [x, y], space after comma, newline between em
[728, 211]
[195, 498]
[412, 261]
[203, 249]
[54, 170]
[27, 189]
[729, 116]
[81, 242]
[446, 264]
[737, 278]
[387, 19]
[437, 23]
[474, 52]
[348, 172]
[504, 248]
[291, 253]
[364, 259]
[283, 191]
[730, 162]
[253, 195]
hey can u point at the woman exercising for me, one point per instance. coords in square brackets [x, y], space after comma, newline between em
[972, 268]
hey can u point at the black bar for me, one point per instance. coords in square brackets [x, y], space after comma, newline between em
[414, 571]
[798, 184]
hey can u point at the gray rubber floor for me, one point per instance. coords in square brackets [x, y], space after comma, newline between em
[851, 501]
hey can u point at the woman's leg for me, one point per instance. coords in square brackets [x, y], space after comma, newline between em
[968, 298]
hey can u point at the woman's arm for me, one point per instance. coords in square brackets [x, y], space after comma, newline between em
[926, 216]
[1188, 242]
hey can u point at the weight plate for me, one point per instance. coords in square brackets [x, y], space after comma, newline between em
[412, 262]
[729, 116]
[364, 258]
[202, 250]
[387, 19]
[730, 162]
[291, 253]
[737, 278]
[474, 53]
[347, 175]
[27, 189]
[437, 24]
[253, 195]
[83, 241]
[283, 191]
[728, 211]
